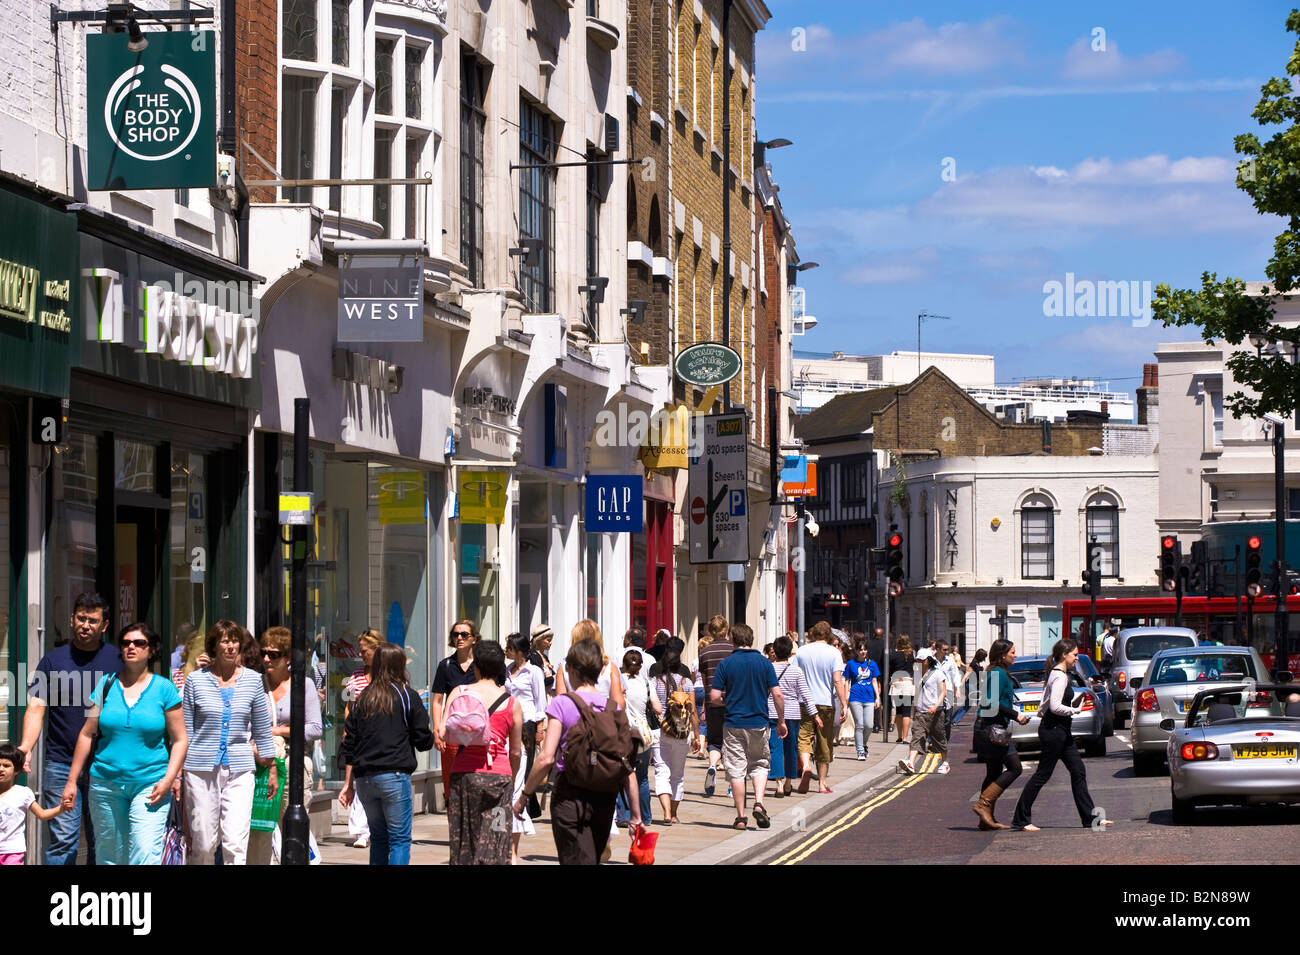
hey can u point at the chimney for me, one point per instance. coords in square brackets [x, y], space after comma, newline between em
[1047, 437]
[1148, 396]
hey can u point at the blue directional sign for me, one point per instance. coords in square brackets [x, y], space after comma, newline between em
[614, 503]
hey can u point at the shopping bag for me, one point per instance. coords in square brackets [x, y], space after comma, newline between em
[266, 812]
[643, 847]
[313, 851]
[174, 837]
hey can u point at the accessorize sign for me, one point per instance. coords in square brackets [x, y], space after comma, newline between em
[152, 114]
[707, 364]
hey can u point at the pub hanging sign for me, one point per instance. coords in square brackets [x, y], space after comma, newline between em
[152, 114]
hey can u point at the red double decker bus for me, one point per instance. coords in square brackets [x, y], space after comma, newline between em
[1226, 620]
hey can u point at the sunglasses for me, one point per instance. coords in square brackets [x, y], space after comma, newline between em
[272, 654]
[142, 644]
[456, 634]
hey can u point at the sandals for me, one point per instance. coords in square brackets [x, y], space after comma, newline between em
[741, 823]
[761, 816]
[789, 788]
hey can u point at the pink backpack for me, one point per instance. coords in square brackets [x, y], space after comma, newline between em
[468, 720]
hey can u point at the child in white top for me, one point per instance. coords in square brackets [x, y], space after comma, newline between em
[15, 803]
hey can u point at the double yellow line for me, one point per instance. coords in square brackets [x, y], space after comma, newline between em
[854, 816]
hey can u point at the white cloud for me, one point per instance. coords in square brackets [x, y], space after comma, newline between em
[1151, 196]
[949, 48]
[967, 97]
[1082, 62]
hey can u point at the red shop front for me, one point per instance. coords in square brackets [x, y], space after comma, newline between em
[652, 566]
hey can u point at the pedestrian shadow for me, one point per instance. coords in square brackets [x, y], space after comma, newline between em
[1229, 817]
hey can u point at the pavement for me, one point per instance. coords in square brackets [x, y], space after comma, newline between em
[704, 835]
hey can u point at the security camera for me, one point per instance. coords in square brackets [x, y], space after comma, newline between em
[811, 526]
[1275, 419]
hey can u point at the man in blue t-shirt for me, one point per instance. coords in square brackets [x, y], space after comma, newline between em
[60, 689]
[742, 683]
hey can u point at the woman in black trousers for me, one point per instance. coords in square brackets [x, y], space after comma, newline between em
[1001, 763]
[1058, 744]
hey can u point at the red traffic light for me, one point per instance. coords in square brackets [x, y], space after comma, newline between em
[1168, 543]
[895, 540]
[1253, 543]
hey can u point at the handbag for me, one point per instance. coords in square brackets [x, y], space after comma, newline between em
[643, 847]
[999, 736]
[651, 720]
[174, 843]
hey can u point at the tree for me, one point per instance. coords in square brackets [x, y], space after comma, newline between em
[1223, 310]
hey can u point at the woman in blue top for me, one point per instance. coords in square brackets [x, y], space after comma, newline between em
[132, 718]
[225, 706]
[863, 677]
[997, 708]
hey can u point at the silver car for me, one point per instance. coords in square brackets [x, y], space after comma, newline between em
[1088, 728]
[1228, 750]
[1172, 679]
[1134, 648]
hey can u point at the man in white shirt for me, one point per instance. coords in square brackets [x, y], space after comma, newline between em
[1108, 645]
[927, 714]
[947, 663]
[823, 670]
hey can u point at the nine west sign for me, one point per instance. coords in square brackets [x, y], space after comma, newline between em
[152, 114]
[381, 291]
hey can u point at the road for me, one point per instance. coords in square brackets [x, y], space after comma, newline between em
[927, 819]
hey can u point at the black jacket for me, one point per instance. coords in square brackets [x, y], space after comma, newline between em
[379, 743]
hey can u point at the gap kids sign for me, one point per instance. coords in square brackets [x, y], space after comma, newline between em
[614, 503]
[152, 114]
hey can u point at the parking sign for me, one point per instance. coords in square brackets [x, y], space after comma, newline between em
[717, 484]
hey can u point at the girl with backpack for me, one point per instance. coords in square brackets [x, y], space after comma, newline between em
[487, 724]
[588, 738]
[679, 730]
[383, 730]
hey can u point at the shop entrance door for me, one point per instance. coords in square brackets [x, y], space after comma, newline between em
[138, 591]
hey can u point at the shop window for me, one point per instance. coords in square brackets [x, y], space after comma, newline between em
[74, 556]
[534, 539]
[135, 466]
[473, 122]
[190, 553]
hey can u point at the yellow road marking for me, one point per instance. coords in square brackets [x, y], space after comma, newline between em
[857, 814]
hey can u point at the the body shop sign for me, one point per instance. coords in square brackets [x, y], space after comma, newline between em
[152, 114]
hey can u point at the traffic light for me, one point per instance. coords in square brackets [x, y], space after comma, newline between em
[895, 560]
[1171, 554]
[1254, 570]
[1092, 573]
[1198, 570]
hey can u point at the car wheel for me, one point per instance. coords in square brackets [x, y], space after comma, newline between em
[1145, 764]
[1095, 747]
[1184, 811]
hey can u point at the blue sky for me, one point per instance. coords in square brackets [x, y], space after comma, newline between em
[1114, 164]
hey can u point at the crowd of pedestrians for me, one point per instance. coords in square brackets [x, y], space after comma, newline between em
[144, 762]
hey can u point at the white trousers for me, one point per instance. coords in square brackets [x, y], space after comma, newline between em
[219, 809]
[670, 765]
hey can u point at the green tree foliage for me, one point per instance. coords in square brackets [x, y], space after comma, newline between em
[1270, 175]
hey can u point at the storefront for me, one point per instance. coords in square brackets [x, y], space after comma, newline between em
[39, 298]
[149, 483]
[378, 553]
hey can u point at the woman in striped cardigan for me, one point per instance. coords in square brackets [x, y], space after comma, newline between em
[225, 706]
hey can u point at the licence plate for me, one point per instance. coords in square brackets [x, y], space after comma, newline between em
[1263, 751]
[1183, 705]
[1028, 707]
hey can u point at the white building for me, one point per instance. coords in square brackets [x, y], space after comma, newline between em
[818, 378]
[1005, 537]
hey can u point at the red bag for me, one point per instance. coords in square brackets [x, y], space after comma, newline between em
[643, 847]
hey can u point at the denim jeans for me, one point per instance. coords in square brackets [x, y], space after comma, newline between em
[785, 752]
[130, 829]
[387, 801]
[621, 809]
[863, 716]
[65, 829]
